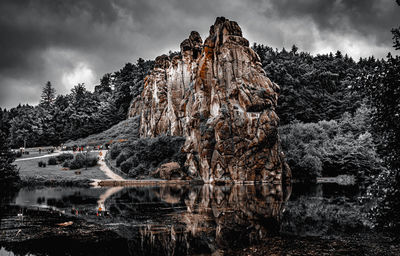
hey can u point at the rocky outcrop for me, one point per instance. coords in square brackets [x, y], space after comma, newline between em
[216, 94]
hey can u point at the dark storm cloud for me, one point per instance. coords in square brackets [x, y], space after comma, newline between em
[369, 18]
[74, 41]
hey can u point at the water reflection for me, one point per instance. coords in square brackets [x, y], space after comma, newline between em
[162, 220]
[201, 219]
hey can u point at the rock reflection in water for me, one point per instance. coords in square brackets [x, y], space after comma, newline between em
[200, 219]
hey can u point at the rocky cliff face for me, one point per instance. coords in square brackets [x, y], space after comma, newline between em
[216, 94]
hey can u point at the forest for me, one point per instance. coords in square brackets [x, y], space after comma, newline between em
[337, 116]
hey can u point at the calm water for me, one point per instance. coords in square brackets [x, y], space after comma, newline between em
[174, 219]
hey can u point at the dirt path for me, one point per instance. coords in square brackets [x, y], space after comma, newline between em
[103, 166]
[37, 157]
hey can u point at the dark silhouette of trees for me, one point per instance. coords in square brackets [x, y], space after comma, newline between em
[8, 171]
[48, 95]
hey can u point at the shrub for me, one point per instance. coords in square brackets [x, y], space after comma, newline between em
[121, 158]
[115, 151]
[64, 156]
[66, 164]
[75, 164]
[92, 161]
[126, 166]
[81, 161]
[18, 154]
[40, 163]
[331, 148]
[141, 156]
[52, 161]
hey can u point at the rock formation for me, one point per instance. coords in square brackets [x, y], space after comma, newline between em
[216, 94]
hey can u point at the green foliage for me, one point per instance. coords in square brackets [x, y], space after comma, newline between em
[8, 171]
[120, 158]
[78, 114]
[115, 150]
[313, 88]
[48, 95]
[66, 164]
[64, 156]
[81, 161]
[42, 164]
[331, 148]
[140, 157]
[128, 84]
[126, 166]
[52, 161]
[383, 91]
[127, 129]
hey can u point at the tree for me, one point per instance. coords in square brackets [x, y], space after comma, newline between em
[104, 90]
[81, 110]
[313, 88]
[383, 89]
[8, 171]
[48, 95]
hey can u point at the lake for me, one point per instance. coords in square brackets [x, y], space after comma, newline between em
[264, 219]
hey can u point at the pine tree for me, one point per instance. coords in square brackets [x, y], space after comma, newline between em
[48, 95]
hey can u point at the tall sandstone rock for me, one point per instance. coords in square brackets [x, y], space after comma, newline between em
[216, 94]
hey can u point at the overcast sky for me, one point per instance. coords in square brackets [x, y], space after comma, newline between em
[74, 41]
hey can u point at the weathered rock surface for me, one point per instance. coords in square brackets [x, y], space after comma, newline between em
[216, 94]
[170, 171]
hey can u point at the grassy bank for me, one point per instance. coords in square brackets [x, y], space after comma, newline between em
[31, 173]
[125, 130]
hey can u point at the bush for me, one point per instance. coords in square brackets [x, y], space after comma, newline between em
[66, 164]
[18, 154]
[80, 158]
[141, 156]
[115, 150]
[121, 158]
[40, 164]
[64, 156]
[52, 161]
[126, 166]
[81, 161]
[92, 161]
[331, 148]
[75, 164]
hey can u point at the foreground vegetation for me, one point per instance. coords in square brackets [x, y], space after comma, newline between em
[140, 157]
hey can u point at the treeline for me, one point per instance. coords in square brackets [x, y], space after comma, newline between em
[315, 88]
[59, 118]
[325, 111]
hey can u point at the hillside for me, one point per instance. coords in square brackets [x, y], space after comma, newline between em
[124, 130]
